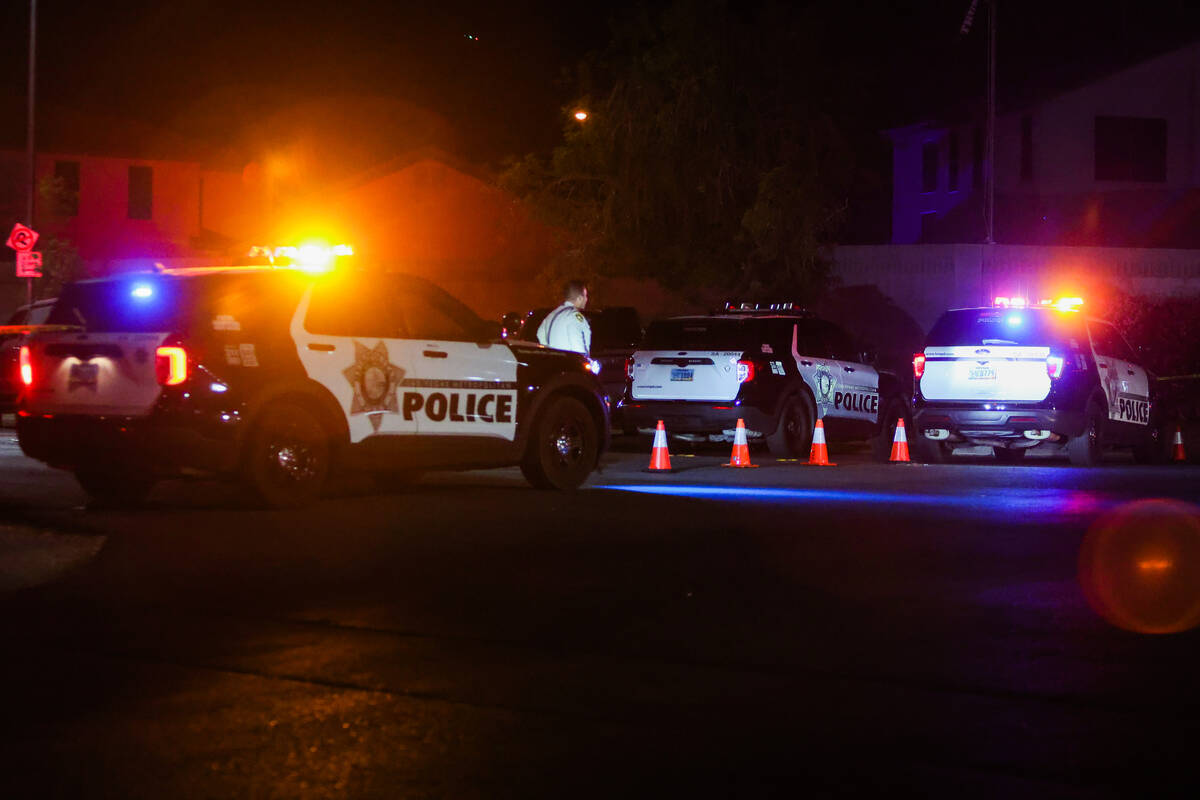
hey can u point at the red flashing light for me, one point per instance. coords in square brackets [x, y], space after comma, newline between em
[918, 365]
[629, 368]
[745, 371]
[170, 365]
[1054, 366]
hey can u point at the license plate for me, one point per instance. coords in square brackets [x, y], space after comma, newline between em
[682, 374]
[981, 374]
[83, 375]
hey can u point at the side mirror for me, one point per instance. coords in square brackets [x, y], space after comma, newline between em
[868, 357]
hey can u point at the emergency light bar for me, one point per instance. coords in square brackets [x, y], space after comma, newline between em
[312, 257]
[763, 308]
[1060, 304]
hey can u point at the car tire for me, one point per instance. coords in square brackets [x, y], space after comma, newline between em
[928, 451]
[109, 488]
[793, 433]
[881, 443]
[1154, 447]
[288, 457]
[1087, 449]
[563, 446]
[1009, 455]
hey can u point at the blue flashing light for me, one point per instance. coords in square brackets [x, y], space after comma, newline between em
[218, 387]
[1014, 319]
[142, 291]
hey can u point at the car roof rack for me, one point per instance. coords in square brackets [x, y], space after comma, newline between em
[788, 308]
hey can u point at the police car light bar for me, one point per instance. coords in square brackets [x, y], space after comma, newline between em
[1010, 302]
[308, 257]
[762, 308]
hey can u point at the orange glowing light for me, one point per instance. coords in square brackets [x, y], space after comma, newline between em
[26, 366]
[171, 365]
[581, 115]
[1154, 565]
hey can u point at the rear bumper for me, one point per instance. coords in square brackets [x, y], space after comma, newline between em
[143, 443]
[997, 426]
[697, 419]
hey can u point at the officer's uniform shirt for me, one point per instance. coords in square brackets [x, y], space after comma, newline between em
[566, 328]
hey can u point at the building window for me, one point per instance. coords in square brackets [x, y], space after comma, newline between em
[977, 158]
[929, 167]
[67, 190]
[1131, 149]
[952, 165]
[1027, 147]
[141, 192]
[928, 219]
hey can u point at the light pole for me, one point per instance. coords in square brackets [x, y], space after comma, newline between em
[30, 152]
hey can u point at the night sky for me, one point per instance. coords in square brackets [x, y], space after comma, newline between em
[234, 77]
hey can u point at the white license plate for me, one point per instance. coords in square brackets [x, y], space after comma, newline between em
[981, 374]
[83, 375]
[682, 374]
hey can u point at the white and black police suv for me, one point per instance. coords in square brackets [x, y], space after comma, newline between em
[278, 378]
[1015, 376]
[777, 368]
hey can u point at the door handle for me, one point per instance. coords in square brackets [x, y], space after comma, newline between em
[434, 354]
[1128, 372]
[848, 369]
[1101, 364]
[806, 363]
[322, 347]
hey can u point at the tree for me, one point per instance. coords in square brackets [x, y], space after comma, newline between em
[706, 157]
[61, 263]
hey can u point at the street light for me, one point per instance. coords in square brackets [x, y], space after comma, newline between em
[581, 115]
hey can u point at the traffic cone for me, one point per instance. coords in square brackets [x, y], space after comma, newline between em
[660, 459]
[900, 443]
[819, 455]
[1177, 453]
[741, 451]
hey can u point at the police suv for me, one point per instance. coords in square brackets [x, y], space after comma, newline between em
[1015, 376]
[777, 368]
[281, 377]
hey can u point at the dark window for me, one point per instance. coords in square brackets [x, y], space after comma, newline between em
[67, 173]
[615, 327]
[353, 308]
[977, 158]
[430, 322]
[699, 334]
[110, 306]
[432, 313]
[927, 226]
[141, 192]
[1108, 342]
[838, 343]
[952, 166]
[1003, 326]
[1027, 147]
[929, 167]
[1131, 149]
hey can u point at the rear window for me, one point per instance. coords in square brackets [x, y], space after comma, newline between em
[1003, 326]
[141, 304]
[615, 327]
[698, 334]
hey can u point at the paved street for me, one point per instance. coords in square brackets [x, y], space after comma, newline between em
[786, 629]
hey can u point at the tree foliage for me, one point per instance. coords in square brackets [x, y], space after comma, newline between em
[709, 155]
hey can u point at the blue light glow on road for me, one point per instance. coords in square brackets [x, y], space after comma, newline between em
[1049, 501]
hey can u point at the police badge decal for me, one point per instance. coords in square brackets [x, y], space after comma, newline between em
[824, 388]
[374, 379]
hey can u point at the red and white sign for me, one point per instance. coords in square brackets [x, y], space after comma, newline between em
[22, 239]
[29, 265]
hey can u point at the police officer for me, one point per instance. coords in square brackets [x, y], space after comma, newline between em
[566, 328]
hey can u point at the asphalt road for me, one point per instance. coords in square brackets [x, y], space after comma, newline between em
[781, 631]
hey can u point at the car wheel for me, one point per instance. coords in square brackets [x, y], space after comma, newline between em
[288, 456]
[1086, 449]
[929, 451]
[563, 447]
[111, 488]
[1008, 455]
[1154, 447]
[881, 443]
[793, 435]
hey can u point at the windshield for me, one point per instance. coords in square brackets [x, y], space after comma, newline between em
[696, 334]
[141, 304]
[1003, 326]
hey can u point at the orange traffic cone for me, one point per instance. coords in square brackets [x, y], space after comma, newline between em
[660, 459]
[900, 443]
[819, 455]
[741, 451]
[1177, 453]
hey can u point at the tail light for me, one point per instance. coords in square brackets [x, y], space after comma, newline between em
[629, 368]
[170, 365]
[745, 371]
[1054, 366]
[918, 365]
[26, 366]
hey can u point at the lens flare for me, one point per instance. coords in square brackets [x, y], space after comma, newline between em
[1139, 566]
